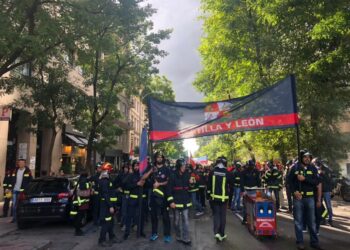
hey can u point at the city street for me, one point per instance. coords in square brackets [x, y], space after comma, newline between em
[60, 235]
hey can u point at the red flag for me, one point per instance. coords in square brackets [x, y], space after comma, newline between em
[191, 161]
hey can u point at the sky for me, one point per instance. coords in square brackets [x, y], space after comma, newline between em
[183, 61]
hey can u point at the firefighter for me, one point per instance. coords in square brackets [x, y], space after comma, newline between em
[273, 181]
[7, 185]
[107, 209]
[135, 183]
[303, 180]
[202, 186]
[250, 178]
[158, 202]
[95, 196]
[81, 200]
[180, 200]
[218, 189]
[236, 175]
[194, 189]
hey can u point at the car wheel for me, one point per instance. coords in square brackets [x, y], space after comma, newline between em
[22, 224]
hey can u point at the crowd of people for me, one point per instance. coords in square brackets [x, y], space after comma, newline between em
[183, 191]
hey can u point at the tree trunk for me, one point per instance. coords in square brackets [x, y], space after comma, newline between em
[89, 165]
[51, 145]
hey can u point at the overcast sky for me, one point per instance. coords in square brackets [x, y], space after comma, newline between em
[183, 61]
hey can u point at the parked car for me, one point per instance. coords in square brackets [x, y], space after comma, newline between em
[345, 188]
[46, 199]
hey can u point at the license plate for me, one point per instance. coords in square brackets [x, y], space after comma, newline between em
[40, 200]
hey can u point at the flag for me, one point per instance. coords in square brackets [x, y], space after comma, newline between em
[143, 151]
[203, 160]
[191, 161]
[270, 108]
[131, 152]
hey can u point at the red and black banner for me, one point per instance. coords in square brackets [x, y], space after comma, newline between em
[270, 108]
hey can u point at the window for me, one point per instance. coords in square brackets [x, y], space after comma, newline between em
[348, 169]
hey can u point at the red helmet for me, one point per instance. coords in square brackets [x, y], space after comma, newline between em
[106, 166]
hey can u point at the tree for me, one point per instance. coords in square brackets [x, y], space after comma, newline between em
[118, 56]
[262, 42]
[51, 99]
[31, 30]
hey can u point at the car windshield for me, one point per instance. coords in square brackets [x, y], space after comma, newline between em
[48, 186]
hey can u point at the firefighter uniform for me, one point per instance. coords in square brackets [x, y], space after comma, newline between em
[80, 204]
[179, 195]
[194, 190]
[159, 204]
[217, 191]
[250, 178]
[202, 186]
[133, 206]
[95, 202]
[7, 185]
[273, 181]
[236, 175]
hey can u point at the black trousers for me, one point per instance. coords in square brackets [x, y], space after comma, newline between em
[95, 209]
[289, 197]
[202, 196]
[219, 216]
[133, 214]
[159, 208]
[78, 220]
[106, 222]
[277, 197]
[230, 196]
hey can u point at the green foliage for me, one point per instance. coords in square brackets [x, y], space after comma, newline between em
[159, 88]
[171, 149]
[31, 30]
[118, 52]
[249, 45]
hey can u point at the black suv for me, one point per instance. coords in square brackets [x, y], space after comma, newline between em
[46, 199]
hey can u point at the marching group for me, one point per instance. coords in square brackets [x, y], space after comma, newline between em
[162, 189]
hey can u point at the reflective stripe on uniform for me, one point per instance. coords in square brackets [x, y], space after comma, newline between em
[309, 172]
[73, 213]
[224, 188]
[324, 214]
[158, 191]
[222, 197]
[170, 198]
[113, 199]
[108, 218]
[308, 193]
[126, 192]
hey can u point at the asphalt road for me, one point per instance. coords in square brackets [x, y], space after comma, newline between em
[60, 236]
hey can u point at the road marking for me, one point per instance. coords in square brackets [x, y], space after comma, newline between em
[239, 216]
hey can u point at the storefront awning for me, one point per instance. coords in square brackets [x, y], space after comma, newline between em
[77, 140]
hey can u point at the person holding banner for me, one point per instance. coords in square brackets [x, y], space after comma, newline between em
[180, 200]
[218, 188]
[159, 204]
[303, 180]
[134, 183]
